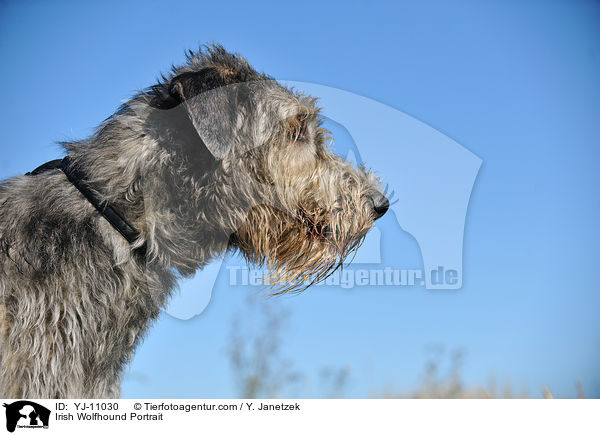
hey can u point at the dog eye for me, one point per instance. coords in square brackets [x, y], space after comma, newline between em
[299, 129]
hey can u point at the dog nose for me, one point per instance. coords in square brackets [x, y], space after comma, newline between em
[380, 205]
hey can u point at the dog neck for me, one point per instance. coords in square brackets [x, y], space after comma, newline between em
[78, 179]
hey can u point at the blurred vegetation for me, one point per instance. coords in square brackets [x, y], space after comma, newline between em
[261, 371]
[254, 352]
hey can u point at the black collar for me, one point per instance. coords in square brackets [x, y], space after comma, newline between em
[77, 179]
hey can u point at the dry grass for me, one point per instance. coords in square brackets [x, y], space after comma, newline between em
[260, 370]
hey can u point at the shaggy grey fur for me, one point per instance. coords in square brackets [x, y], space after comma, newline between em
[214, 157]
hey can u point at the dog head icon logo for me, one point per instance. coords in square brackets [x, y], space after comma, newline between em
[26, 414]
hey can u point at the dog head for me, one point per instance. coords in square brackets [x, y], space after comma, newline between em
[285, 199]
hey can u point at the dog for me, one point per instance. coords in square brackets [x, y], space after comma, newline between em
[215, 157]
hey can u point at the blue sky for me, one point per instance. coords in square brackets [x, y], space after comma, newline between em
[515, 83]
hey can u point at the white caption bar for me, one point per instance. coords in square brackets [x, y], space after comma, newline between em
[44, 417]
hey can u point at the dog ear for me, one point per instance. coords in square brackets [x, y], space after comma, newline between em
[211, 104]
